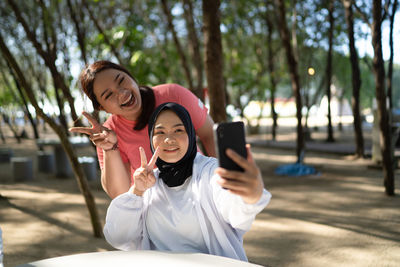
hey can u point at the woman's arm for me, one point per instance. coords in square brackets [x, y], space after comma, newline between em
[206, 135]
[124, 222]
[244, 195]
[115, 176]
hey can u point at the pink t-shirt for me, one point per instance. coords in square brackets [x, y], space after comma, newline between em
[130, 140]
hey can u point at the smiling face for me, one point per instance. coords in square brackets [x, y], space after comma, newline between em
[117, 93]
[170, 135]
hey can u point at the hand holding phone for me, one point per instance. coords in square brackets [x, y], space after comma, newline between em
[248, 184]
[230, 135]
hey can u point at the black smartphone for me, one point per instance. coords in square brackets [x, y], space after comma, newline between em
[230, 135]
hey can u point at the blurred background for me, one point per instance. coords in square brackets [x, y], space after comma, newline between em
[308, 72]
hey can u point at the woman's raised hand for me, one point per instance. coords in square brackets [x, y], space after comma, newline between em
[98, 134]
[144, 176]
[248, 184]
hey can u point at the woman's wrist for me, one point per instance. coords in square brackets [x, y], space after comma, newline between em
[114, 147]
[137, 192]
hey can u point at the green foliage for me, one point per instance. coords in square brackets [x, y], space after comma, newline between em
[138, 30]
[6, 97]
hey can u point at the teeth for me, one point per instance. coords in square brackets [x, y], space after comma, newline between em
[127, 101]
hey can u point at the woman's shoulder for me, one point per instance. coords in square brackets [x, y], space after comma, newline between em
[169, 90]
[204, 173]
[203, 158]
[203, 164]
[168, 86]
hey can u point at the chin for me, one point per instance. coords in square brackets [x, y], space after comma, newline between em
[171, 160]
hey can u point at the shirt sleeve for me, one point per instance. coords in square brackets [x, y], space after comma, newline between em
[233, 209]
[124, 222]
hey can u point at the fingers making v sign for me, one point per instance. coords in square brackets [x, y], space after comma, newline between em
[98, 134]
[144, 176]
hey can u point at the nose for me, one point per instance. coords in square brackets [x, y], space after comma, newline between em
[169, 139]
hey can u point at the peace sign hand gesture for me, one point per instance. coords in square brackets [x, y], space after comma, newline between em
[144, 176]
[98, 134]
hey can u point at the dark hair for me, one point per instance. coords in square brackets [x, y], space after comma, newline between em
[88, 76]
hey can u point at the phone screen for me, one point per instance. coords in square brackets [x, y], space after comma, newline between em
[230, 135]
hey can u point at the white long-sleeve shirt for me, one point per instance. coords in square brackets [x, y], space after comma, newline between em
[219, 218]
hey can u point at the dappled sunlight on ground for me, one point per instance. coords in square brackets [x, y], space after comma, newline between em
[340, 217]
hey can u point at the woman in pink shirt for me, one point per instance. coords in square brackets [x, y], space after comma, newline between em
[113, 89]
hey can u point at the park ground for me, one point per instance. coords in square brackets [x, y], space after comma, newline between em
[337, 217]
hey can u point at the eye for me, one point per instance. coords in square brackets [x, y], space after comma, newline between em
[121, 80]
[108, 95]
[158, 132]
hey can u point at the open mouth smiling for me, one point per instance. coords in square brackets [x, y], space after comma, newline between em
[129, 101]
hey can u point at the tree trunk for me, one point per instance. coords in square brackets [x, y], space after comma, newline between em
[307, 105]
[295, 47]
[294, 76]
[195, 48]
[383, 118]
[272, 73]
[274, 114]
[329, 70]
[178, 45]
[341, 101]
[77, 167]
[390, 69]
[356, 80]
[214, 59]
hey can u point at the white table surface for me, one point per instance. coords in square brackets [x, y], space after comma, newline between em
[144, 258]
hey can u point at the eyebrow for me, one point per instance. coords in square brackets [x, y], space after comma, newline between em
[116, 77]
[162, 127]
